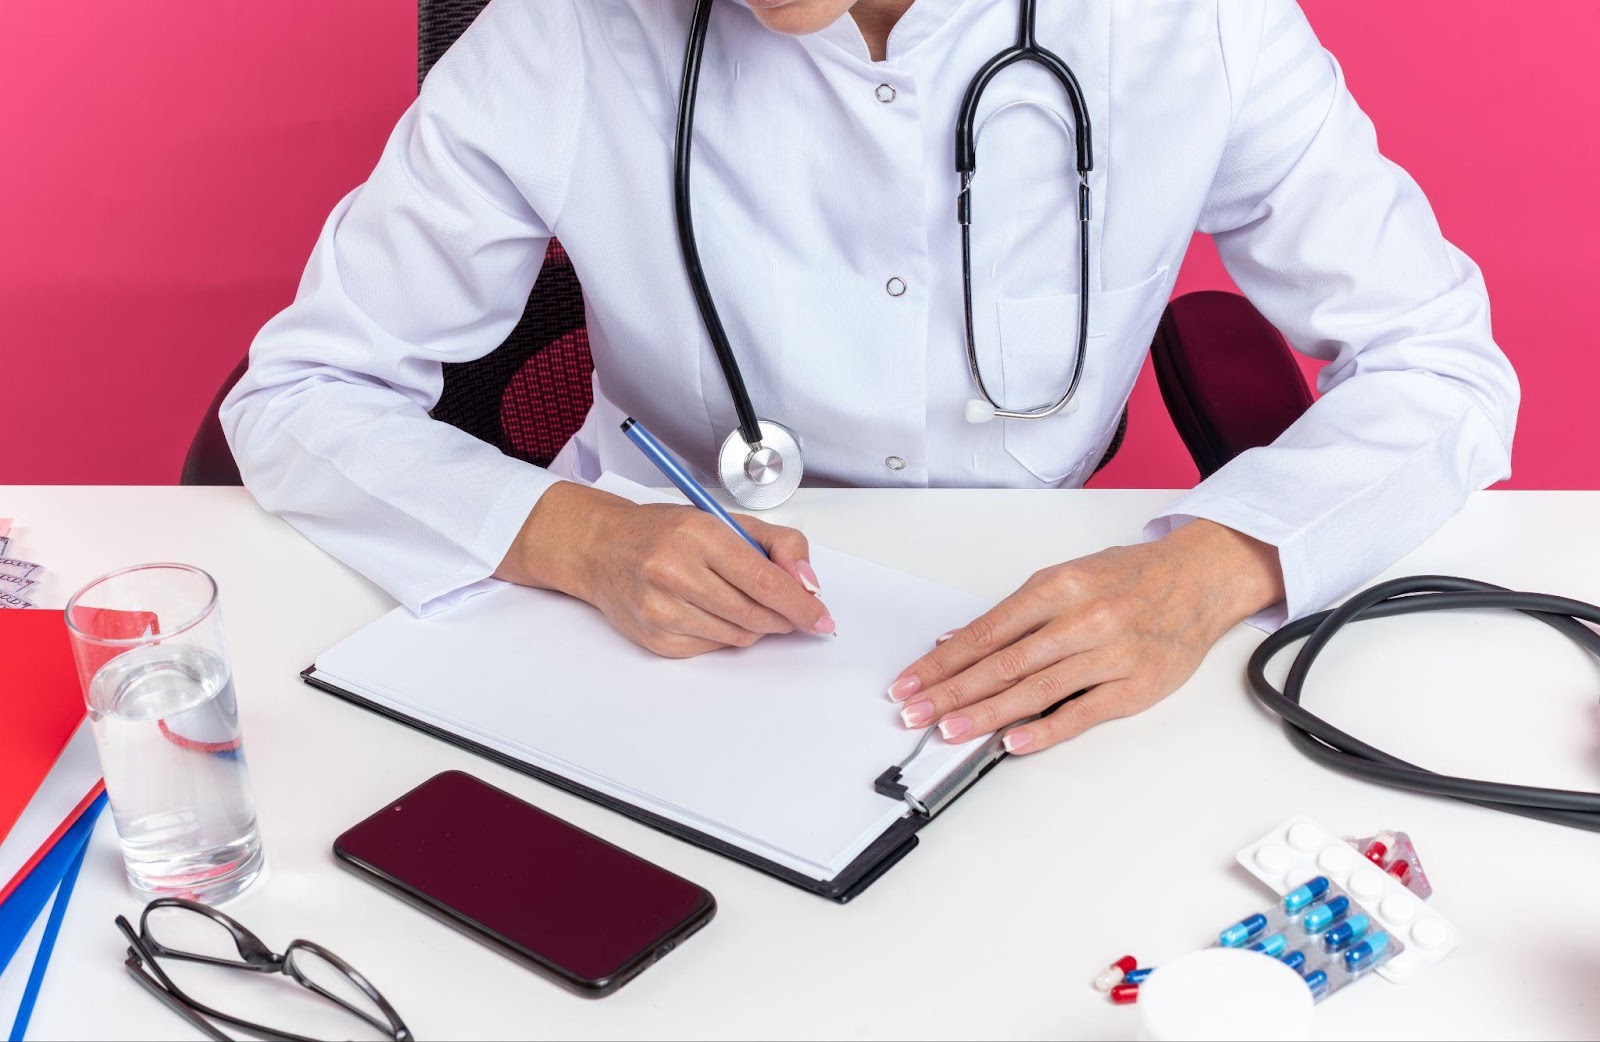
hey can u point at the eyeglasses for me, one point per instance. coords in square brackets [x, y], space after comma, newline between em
[173, 928]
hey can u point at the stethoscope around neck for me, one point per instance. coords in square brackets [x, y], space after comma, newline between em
[761, 462]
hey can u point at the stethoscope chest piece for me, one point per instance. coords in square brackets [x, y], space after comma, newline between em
[764, 475]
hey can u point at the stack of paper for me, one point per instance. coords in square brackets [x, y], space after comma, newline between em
[17, 576]
[772, 749]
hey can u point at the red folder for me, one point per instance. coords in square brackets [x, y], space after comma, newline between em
[41, 702]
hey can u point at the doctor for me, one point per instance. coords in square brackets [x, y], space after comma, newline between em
[824, 196]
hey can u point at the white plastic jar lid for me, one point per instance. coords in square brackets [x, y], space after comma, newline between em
[1224, 993]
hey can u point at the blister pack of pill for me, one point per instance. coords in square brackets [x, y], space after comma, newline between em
[1300, 849]
[1394, 852]
[1318, 931]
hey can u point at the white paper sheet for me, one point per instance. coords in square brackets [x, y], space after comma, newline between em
[773, 748]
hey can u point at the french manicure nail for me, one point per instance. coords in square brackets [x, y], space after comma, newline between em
[917, 714]
[1017, 741]
[954, 727]
[824, 625]
[946, 635]
[808, 578]
[904, 688]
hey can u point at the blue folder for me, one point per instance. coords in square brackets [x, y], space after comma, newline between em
[55, 875]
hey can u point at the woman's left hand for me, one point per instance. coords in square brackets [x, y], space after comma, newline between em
[1127, 626]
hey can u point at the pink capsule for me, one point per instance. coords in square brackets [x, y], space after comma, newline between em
[1112, 975]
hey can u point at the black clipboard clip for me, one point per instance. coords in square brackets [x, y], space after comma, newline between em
[985, 755]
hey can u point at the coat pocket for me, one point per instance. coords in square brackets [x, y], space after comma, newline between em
[1038, 341]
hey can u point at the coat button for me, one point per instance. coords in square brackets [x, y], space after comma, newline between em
[895, 287]
[885, 93]
[894, 463]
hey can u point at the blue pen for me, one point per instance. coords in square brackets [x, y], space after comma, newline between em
[675, 472]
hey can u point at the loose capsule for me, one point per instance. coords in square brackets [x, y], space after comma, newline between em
[1137, 976]
[1352, 929]
[1304, 894]
[1123, 994]
[1273, 946]
[1319, 917]
[1113, 974]
[1242, 931]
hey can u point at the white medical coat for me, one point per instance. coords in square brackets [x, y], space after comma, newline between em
[812, 192]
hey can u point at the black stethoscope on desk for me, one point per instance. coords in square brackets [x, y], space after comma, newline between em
[761, 462]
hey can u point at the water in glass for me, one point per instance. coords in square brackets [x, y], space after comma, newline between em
[167, 728]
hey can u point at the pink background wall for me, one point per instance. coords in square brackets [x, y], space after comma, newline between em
[166, 166]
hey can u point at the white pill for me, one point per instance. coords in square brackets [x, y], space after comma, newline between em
[1367, 885]
[1431, 932]
[1399, 909]
[1274, 860]
[1336, 859]
[1304, 836]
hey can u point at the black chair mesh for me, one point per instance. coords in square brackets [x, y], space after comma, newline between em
[530, 394]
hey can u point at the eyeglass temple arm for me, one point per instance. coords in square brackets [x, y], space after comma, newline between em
[136, 969]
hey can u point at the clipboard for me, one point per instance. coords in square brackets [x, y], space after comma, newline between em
[867, 868]
[785, 756]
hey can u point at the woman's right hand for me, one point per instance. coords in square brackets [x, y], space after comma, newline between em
[670, 578]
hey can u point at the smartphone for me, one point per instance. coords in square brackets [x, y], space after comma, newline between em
[586, 914]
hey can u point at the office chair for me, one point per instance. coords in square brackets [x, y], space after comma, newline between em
[1226, 375]
[1229, 380]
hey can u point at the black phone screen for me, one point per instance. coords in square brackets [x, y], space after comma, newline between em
[573, 903]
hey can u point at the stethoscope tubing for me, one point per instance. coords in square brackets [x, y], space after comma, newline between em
[1026, 49]
[683, 147]
[1334, 748]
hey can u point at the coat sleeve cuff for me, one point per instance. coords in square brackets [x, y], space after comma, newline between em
[1270, 530]
[524, 488]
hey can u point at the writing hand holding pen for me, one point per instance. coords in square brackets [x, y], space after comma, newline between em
[673, 579]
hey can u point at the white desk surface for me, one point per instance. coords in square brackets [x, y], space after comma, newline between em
[1120, 841]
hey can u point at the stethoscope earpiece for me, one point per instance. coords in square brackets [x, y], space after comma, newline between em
[979, 411]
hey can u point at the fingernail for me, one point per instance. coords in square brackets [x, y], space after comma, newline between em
[954, 727]
[917, 714]
[946, 635]
[904, 688]
[808, 578]
[1017, 741]
[824, 625]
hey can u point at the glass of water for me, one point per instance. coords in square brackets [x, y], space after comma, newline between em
[154, 666]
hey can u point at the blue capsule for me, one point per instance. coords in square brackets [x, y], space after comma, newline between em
[1304, 894]
[1242, 931]
[1135, 976]
[1317, 981]
[1294, 960]
[1274, 946]
[1319, 917]
[1367, 952]
[1352, 929]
